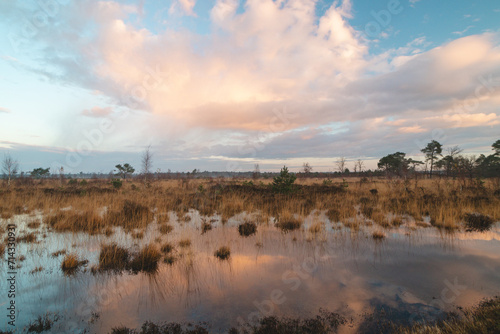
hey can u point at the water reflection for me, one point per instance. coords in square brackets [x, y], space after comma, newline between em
[418, 273]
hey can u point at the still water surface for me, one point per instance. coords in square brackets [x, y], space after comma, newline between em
[417, 274]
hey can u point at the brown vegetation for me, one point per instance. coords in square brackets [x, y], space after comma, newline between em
[445, 201]
[71, 264]
[223, 253]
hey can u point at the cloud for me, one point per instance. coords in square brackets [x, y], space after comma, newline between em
[184, 6]
[463, 31]
[4, 110]
[97, 112]
[273, 75]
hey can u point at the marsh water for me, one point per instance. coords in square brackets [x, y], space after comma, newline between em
[413, 274]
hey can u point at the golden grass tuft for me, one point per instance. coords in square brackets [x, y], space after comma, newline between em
[28, 238]
[378, 235]
[71, 263]
[113, 257]
[146, 260]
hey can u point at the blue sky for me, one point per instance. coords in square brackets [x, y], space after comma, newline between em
[224, 84]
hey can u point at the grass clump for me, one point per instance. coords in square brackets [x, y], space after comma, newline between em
[87, 221]
[289, 224]
[165, 228]
[167, 248]
[378, 235]
[477, 222]
[146, 260]
[138, 235]
[59, 253]
[113, 257]
[184, 243]
[205, 227]
[223, 253]
[33, 225]
[71, 263]
[169, 259]
[28, 238]
[247, 229]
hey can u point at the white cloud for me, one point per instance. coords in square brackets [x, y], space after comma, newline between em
[186, 6]
[208, 90]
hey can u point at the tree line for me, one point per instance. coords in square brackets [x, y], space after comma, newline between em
[450, 164]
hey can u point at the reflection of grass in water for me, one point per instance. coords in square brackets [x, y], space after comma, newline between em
[42, 323]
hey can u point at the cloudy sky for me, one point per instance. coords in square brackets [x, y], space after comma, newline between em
[224, 84]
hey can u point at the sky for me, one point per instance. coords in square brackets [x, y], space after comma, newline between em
[222, 85]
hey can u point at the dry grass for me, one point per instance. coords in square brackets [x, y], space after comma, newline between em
[138, 235]
[445, 201]
[477, 222]
[165, 228]
[71, 263]
[184, 243]
[289, 225]
[113, 257]
[33, 225]
[28, 238]
[378, 235]
[205, 227]
[167, 248]
[146, 260]
[247, 229]
[59, 253]
[36, 270]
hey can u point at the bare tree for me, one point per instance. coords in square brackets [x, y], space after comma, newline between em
[341, 165]
[306, 168]
[10, 167]
[359, 165]
[453, 151]
[147, 164]
[256, 172]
